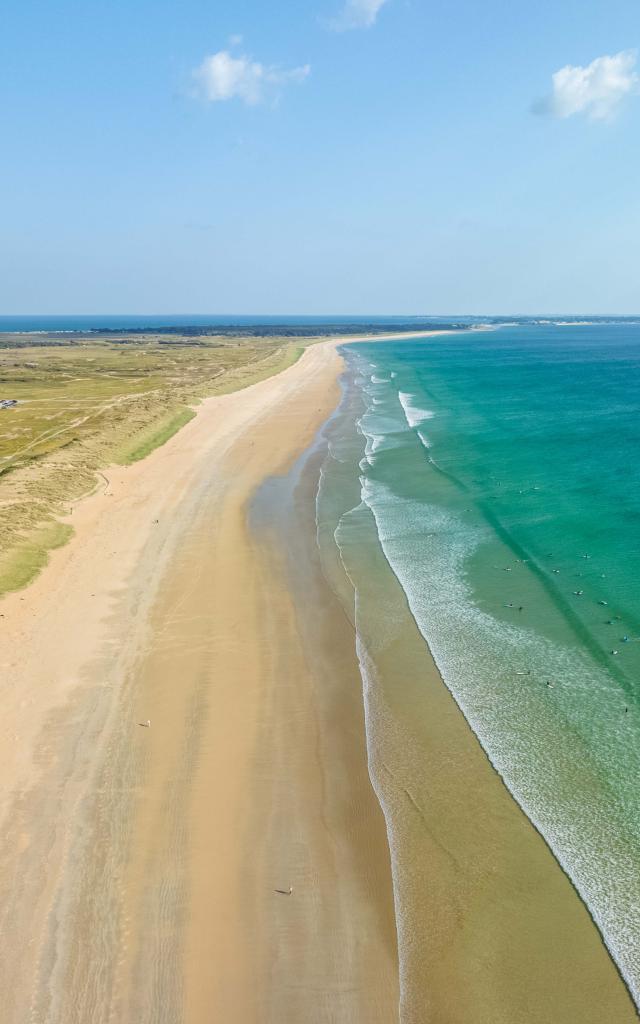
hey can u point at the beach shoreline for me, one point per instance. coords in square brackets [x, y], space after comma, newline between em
[184, 742]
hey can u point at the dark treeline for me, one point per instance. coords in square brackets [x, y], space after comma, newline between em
[287, 330]
[193, 335]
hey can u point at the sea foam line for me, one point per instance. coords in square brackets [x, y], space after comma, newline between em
[612, 901]
[414, 413]
[532, 751]
[526, 745]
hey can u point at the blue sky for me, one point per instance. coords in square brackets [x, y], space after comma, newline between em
[398, 157]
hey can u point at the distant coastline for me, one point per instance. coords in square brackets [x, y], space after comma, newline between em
[228, 325]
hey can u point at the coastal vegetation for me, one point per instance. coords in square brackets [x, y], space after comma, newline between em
[82, 403]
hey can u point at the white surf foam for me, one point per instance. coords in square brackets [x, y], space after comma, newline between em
[536, 743]
[414, 413]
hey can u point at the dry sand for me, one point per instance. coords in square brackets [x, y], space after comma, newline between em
[138, 866]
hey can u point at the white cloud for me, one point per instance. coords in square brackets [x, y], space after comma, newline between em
[357, 14]
[595, 90]
[224, 77]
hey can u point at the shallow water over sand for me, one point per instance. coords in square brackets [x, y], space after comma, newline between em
[495, 475]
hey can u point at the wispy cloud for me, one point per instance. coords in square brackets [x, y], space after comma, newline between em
[223, 76]
[357, 14]
[595, 90]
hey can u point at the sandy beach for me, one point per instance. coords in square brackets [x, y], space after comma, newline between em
[139, 865]
[189, 830]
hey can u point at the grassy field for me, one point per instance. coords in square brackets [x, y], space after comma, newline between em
[88, 403]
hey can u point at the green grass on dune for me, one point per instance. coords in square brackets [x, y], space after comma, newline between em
[89, 403]
[24, 560]
[155, 435]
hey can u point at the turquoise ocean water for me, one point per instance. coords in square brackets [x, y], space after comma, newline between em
[498, 473]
